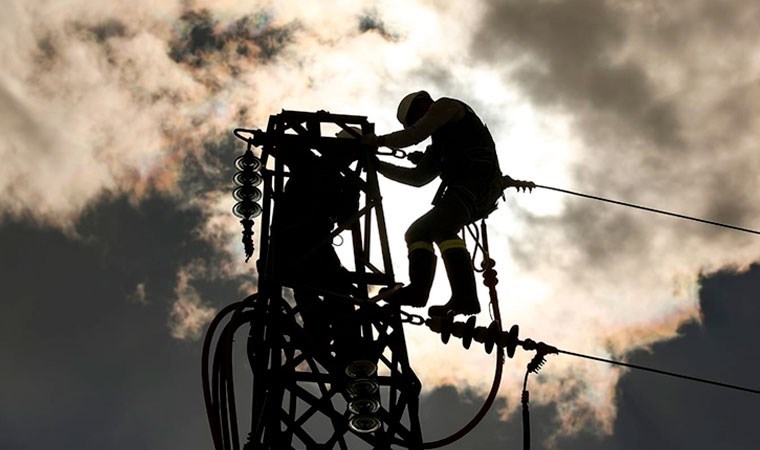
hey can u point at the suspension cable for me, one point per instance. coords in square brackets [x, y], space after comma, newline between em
[661, 372]
[653, 210]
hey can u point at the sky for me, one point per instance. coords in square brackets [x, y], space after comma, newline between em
[118, 244]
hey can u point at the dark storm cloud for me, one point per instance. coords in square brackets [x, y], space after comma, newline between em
[82, 366]
[373, 22]
[202, 36]
[196, 39]
[212, 169]
[567, 54]
[720, 349]
[50, 42]
[108, 29]
[47, 49]
[655, 411]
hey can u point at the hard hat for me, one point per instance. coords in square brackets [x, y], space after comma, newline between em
[345, 134]
[406, 105]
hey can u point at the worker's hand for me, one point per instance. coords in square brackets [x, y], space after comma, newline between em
[520, 185]
[415, 157]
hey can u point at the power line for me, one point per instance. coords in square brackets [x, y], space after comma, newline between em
[661, 372]
[646, 208]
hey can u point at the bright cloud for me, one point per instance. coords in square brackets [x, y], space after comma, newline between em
[656, 104]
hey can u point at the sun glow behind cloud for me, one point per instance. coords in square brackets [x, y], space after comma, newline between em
[116, 100]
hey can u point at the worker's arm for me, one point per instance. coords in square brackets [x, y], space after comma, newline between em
[441, 111]
[425, 172]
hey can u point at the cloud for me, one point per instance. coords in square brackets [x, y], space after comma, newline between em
[568, 54]
[655, 99]
[654, 104]
[139, 295]
[189, 314]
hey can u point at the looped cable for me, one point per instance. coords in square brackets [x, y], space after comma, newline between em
[475, 235]
[500, 356]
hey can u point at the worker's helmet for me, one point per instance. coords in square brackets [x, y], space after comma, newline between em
[412, 107]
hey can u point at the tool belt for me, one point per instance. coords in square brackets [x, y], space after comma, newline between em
[475, 179]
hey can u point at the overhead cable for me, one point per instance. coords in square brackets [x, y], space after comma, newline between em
[646, 208]
[661, 372]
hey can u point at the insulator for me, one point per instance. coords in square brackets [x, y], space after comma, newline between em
[247, 194]
[441, 325]
[365, 424]
[489, 278]
[362, 387]
[457, 329]
[537, 363]
[510, 341]
[491, 335]
[248, 161]
[247, 178]
[468, 332]
[247, 238]
[361, 368]
[248, 248]
[364, 405]
[242, 193]
[487, 264]
[445, 336]
[246, 210]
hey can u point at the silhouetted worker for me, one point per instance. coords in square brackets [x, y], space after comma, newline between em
[315, 198]
[463, 154]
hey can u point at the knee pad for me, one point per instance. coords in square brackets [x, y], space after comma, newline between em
[420, 245]
[450, 244]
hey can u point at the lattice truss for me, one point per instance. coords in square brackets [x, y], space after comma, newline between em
[330, 367]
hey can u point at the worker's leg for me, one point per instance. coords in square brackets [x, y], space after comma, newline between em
[422, 262]
[455, 212]
[464, 296]
[439, 224]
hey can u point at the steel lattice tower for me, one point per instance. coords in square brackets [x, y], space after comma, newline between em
[330, 366]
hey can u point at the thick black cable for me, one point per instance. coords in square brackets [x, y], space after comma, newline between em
[227, 340]
[211, 399]
[646, 208]
[218, 386]
[662, 372]
[483, 409]
[524, 399]
[500, 359]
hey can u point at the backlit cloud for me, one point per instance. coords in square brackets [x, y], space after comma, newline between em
[655, 103]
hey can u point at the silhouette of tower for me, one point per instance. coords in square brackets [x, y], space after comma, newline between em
[330, 366]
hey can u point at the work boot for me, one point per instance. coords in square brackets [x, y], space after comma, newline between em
[422, 263]
[464, 297]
